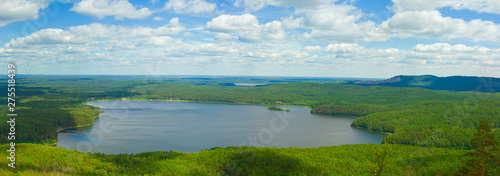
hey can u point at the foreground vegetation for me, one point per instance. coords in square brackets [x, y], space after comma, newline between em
[360, 159]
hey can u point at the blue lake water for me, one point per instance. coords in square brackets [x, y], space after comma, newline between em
[141, 126]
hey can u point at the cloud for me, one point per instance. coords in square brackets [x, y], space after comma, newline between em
[353, 51]
[47, 37]
[190, 6]
[293, 23]
[330, 16]
[423, 24]
[445, 47]
[481, 6]
[188, 34]
[13, 11]
[172, 28]
[120, 9]
[157, 18]
[222, 37]
[156, 41]
[312, 48]
[444, 52]
[432, 55]
[97, 31]
[137, 45]
[255, 5]
[248, 28]
[271, 31]
[102, 31]
[339, 23]
[153, 1]
[328, 21]
[274, 55]
[232, 23]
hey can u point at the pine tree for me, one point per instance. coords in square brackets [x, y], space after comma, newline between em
[486, 155]
[381, 160]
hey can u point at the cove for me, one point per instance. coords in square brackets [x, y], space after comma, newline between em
[142, 126]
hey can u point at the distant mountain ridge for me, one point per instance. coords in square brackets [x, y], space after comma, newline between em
[451, 83]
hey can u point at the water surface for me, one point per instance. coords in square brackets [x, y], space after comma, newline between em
[140, 126]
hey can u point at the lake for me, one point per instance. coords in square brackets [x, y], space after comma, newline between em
[141, 126]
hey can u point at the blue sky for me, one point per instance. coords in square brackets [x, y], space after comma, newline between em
[324, 38]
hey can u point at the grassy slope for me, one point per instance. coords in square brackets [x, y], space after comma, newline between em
[360, 159]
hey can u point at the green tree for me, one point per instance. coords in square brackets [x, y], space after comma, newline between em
[486, 155]
[381, 161]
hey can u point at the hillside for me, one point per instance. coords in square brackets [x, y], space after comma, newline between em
[452, 83]
[359, 159]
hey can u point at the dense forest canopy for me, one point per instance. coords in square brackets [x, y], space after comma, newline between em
[453, 83]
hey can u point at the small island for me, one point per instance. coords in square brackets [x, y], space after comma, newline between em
[275, 108]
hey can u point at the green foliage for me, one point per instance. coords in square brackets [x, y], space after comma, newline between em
[349, 110]
[275, 108]
[303, 94]
[39, 118]
[381, 160]
[359, 159]
[486, 155]
[452, 83]
[433, 124]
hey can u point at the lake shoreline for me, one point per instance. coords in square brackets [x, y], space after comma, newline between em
[242, 121]
[78, 126]
[209, 102]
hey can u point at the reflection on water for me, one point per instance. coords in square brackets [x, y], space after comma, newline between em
[140, 126]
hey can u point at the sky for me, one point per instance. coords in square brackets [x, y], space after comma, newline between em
[319, 38]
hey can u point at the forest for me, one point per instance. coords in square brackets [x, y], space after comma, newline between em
[360, 159]
[430, 130]
[452, 83]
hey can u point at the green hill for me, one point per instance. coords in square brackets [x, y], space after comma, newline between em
[359, 159]
[452, 83]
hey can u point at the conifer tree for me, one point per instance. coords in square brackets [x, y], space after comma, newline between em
[485, 157]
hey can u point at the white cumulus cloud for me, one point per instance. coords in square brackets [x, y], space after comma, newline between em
[20, 10]
[47, 37]
[431, 23]
[97, 31]
[190, 6]
[446, 52]
[120, 9]
[248, 28]
[481, 6]
[157, 18]
[255, 5]
[339, 23]
[232, 23]
[222, 37]
[272, 31]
